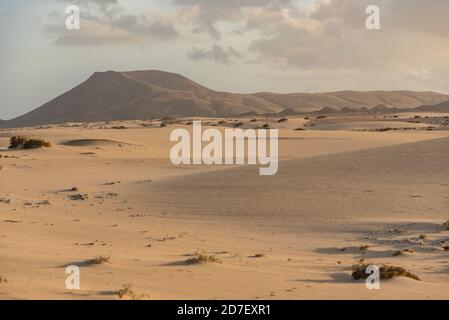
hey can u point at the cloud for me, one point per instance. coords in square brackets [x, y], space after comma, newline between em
[105, 22]
[206, 14]
[217, 53]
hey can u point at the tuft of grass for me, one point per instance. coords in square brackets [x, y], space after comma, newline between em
[125, 291]
[258, 255]
[363, 247]
[282, 120]
[20, 142]
[202, 258]
[128, 292]
[3, 280]
[397, 253]
[386, 272]
[78, 197]
[100, 259]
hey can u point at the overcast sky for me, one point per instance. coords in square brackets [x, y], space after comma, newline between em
[230, 45]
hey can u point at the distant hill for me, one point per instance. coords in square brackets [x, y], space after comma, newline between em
[353, 99]
[136, 95]
[441, 107]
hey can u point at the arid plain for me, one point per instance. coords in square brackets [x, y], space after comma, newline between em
[106, 197]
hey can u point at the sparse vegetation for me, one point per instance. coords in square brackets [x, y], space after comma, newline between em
[100, 259]
[386, 272]
[3, 280]
[20, 142]
[321, 117]
[128, 292]
[202, 258]
[125, 291]
[258, 255]
[78, 197]
[397, 253]
[282, 120]
[363, 247]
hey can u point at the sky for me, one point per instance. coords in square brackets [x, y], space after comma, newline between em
[228, 45]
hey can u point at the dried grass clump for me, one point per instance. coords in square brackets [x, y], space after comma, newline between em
[202, 258]
[98, 260]
[125, 291]
[128, 292]
[20, 142]
[3, 280]
[386, 272]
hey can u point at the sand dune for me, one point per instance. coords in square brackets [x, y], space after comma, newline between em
[219, 232]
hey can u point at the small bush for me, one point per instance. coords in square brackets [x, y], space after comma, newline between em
[98, 260]
[446, 224]
[3, 280]
[202, 258]
[125, 291]
[20, 142]
[386, 272]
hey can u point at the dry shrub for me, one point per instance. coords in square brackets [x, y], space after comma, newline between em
[98, 260]
[128, 292]
[3, 280]
[386, 272]
[20, 142]
[202, 258]
[125, 291]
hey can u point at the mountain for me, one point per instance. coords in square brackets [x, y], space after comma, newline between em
[441, 107]
[136, 95]
[353, 99]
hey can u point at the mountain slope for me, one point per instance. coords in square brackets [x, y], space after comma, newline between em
[353, 99]
[135, 95]
[441, 107]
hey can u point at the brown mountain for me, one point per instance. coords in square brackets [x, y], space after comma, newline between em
[353, 99]
[441, 107]
[156, 94]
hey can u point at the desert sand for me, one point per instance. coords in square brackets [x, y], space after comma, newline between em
[344, 193]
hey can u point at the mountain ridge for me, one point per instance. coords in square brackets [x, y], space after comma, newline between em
[133, 95]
